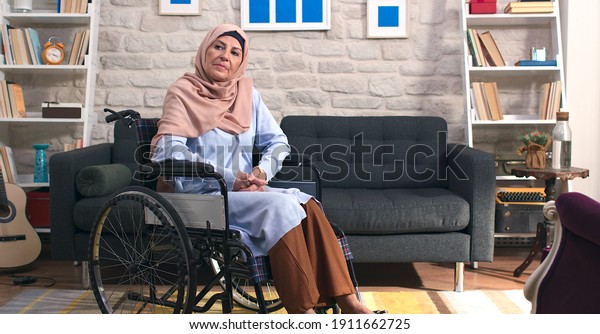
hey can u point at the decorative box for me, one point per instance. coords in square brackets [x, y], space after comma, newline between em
[482, 7]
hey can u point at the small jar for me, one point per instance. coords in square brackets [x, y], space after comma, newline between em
[22, 6]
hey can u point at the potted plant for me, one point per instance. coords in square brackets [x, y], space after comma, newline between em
[535, 143]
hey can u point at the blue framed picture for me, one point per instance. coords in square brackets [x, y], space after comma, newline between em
[180, 7]
[387, 18]
[271, 15]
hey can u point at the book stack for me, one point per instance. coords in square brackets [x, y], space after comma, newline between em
[528, 7]
[484, 97]
[7, 165]
[79, 48]
[72, 6]
[12, 102]
[73, 146]
[483, 49]
[550, 95]
[21, 46]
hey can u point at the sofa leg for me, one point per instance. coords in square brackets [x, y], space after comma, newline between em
[85, 276]
[459, 276]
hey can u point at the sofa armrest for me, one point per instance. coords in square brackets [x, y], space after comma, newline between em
[472, 175]
[63, 169]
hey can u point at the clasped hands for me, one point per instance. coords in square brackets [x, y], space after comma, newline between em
[249, 181]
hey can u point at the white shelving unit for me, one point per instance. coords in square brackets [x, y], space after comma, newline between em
[518, 86]
[57, 83]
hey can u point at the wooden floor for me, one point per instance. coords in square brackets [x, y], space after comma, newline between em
[496, 275]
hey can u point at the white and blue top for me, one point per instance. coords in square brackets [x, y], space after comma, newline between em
[261, 217]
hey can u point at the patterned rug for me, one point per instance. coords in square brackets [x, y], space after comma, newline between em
[55, 301]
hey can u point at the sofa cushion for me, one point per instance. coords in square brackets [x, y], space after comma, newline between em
[395, 211]
[85, 209]
[101, 180]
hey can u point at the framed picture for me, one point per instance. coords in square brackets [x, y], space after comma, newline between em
[179, 7]
[272, 15]
[387, 18]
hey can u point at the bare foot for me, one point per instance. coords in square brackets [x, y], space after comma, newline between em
[309, 311]
[351, 305]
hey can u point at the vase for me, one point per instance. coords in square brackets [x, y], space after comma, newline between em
[536, 157]
[40, 168]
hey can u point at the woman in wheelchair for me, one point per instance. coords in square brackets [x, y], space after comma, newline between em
[215, 115]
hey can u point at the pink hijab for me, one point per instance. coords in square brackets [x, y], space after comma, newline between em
[194, 104]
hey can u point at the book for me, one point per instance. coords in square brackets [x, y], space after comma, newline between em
[478, 58]
[491, 94]
[543, 103]
[35, 46]
[23, 46]
[6, 98]
[14, 43]
[491, 49]
[473, 48]
[5, 165]
[480, 101]
[75, 48]
[529, 7]
[12, 166]
[3, 111]
[82, 6]
[83, 49]
[8, 53]
[550, 100]
[6, 176]
[525, 62]
[556, 98]
[17, 100]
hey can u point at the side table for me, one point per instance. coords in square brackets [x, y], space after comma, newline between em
[549, 175]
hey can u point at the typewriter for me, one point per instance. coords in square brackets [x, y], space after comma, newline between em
[518, 210]
[510, 195]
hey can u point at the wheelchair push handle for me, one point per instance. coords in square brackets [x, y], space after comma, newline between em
[127, 116]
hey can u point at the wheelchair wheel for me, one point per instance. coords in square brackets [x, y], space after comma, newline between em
[244, 293]
[141, 259]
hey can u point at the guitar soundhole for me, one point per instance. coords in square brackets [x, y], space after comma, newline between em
[7, 212]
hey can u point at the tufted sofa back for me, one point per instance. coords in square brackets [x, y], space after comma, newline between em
[376, 152]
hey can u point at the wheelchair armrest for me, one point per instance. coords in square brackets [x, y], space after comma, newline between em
[179, 168]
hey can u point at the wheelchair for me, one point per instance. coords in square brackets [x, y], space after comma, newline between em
[148, 247]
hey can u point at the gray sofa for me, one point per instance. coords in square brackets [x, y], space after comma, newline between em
[398, 190]
[393, 185]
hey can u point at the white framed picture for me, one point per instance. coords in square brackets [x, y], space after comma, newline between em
[387, 18]
[273, 15]
[179, 7]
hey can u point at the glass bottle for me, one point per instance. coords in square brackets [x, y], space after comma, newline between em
[23, 6]
[561, 142]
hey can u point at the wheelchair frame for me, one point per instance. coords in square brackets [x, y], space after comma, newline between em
[144, 259]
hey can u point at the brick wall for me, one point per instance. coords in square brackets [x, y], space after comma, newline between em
[335, 72]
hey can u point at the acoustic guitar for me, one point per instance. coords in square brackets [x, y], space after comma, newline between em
[20, 244]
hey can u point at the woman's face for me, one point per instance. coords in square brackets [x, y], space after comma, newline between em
[223, 58]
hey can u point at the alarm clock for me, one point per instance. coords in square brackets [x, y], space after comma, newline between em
[54, 52]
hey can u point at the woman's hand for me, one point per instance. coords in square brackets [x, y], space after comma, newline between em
[248, 182]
